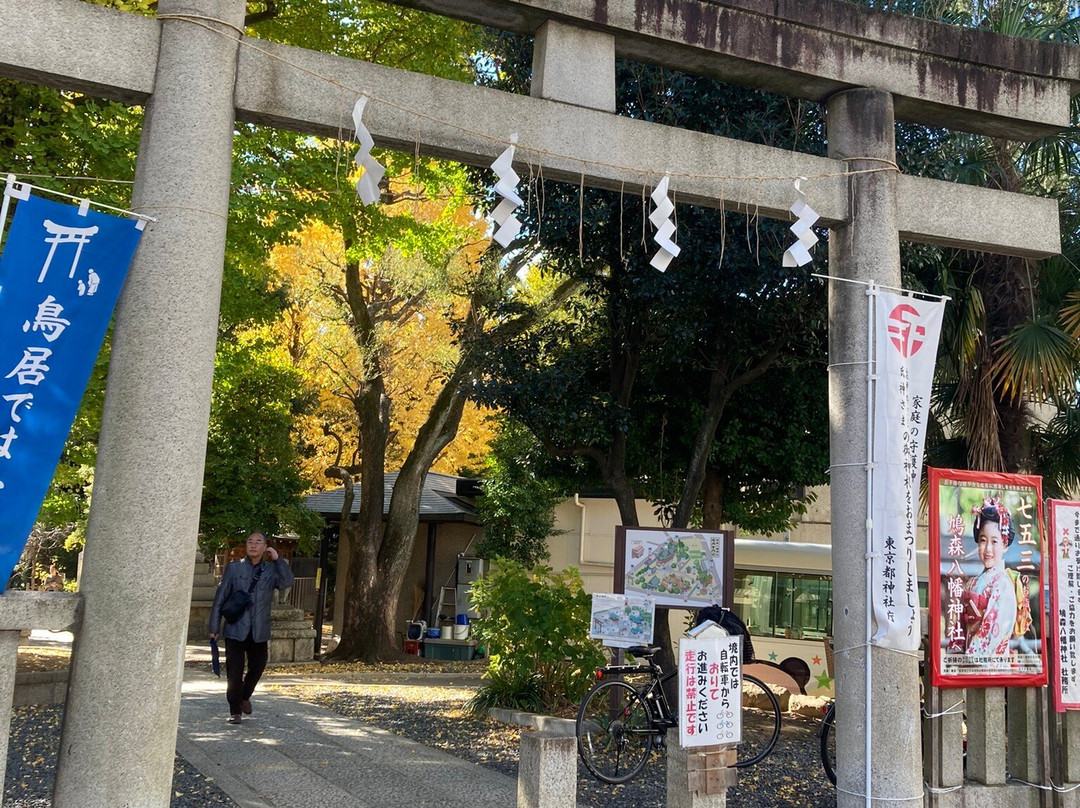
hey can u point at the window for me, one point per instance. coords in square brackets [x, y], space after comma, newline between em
[753, 601]
[784, 604]
[803, 606]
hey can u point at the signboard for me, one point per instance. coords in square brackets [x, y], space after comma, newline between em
[680, 568]
[987, 579]
[710, 691]
[906, 333]
[620, 621]
[1064, 603]
[60, 276]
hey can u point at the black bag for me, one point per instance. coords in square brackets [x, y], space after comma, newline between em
[238, 602]
[730, 622]
[235, 606]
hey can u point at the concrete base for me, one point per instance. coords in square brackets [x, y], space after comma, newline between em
[547, 771]
[203, 588]
[292, 639]
[679, 794]
[1010, 796]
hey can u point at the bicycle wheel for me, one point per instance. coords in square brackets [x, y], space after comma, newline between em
[760, 722]
[827, 737]
[614, 732]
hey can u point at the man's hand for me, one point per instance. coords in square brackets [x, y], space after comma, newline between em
[213, 636]
[272, 553]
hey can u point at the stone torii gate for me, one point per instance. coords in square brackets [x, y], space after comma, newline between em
[198, 74]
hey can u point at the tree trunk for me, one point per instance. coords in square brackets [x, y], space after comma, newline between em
[712, 500]
[380, 551]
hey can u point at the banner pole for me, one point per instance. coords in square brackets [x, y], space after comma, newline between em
[871, 382]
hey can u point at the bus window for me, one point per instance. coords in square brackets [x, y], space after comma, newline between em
[753, 601]
[803, 606]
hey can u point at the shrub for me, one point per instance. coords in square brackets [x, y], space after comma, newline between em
[535, 626]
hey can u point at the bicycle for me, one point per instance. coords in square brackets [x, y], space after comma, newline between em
[619, 725]
[827, 741]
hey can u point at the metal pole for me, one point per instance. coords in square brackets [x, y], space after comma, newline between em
[320, 588]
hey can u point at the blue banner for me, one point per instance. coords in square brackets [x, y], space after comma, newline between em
[60, 276]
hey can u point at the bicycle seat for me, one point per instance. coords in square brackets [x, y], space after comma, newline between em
[643, 651]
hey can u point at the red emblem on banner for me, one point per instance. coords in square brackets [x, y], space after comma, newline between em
[907, 339]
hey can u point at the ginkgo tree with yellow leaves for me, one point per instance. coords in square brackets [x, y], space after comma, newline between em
[391, 332]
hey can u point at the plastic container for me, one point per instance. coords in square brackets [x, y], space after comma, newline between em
[412, 647]
[458, 652]
[446, 633]
[434, 633]
[461, 632]
[463, 620]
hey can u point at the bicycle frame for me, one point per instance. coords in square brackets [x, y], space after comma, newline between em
[661, 717]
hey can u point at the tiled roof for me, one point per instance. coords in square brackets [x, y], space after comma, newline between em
[440, 500]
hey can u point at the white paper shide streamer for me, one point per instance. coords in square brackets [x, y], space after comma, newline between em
[665, 227]
[798, 254]
[506, 187]
[367, 187]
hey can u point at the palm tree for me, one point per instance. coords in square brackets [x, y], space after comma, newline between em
[1006, 393]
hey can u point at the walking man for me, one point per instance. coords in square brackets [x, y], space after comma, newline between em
[247, 622]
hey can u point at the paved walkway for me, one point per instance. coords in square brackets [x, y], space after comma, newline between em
[288, 753]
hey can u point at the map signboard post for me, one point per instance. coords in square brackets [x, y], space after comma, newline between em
[681, 568]
[620, 621]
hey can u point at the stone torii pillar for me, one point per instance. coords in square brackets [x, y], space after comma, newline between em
[119, 733]
[861, 131]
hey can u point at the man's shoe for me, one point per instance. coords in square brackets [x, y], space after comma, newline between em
[235, 718]
[245, 706]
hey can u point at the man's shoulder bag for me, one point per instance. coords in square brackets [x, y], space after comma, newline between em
[238, 602]
[235, 605]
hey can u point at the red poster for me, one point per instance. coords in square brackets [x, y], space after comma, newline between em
[987, 576]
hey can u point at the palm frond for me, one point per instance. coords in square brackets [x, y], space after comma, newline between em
[1070, 314]
[1034, 361]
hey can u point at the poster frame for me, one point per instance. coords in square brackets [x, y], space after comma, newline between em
[624, 533]
[987, 480]
[1060, 705]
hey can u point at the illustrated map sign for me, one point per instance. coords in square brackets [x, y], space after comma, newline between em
[986, 580]
[681, 568]
[620, 621]
[1064, 603]
[710, 691]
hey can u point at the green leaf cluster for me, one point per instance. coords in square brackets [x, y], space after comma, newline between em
[253, 479]
[535, 625]
[517, 506]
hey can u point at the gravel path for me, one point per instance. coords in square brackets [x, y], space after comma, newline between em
[31, 765]
[789, 778]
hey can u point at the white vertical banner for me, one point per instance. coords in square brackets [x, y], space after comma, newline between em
[906, 332]
[710, 691]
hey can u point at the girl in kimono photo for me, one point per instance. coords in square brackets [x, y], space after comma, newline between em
[995, 603]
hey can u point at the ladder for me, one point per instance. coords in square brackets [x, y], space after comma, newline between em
[447, 604]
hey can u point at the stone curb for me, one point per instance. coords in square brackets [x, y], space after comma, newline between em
[545, 723]
[40, 687]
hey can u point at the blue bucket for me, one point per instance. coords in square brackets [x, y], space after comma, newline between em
[463, 619]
